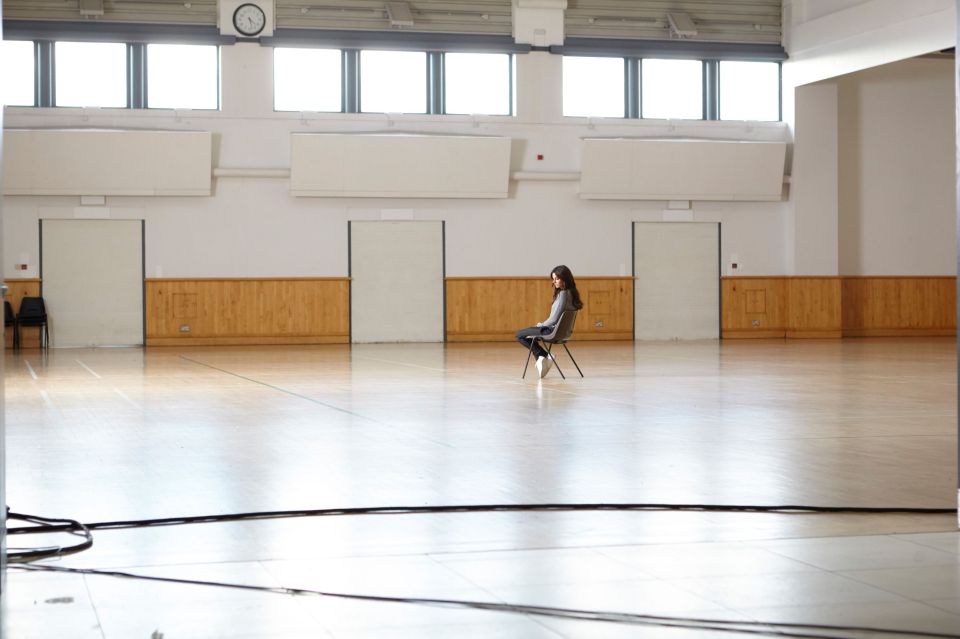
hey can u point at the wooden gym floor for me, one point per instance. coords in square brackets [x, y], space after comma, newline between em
[115, 434]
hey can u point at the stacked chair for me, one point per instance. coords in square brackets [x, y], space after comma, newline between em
[32, 313]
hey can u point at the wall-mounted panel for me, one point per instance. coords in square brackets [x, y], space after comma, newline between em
[106, 162]
[352, 165]
[753, 307]
[681, 169]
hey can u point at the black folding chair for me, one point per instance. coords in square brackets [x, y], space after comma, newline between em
[9, 319]
[33, 313]
[560, 334]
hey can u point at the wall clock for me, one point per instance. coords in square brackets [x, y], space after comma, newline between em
[249, 19]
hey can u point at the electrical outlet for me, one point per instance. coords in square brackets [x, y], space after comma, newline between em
[184, 328]
[598, 324]
[755, 323]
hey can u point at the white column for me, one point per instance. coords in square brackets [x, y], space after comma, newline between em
[814, 183]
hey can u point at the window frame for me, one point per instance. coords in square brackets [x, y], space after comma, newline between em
[710, 78]
[779, 91]
[33, 92]
[44, 88]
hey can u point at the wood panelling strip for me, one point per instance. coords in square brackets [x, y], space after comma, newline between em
[248, 311]
[813, 307]
[17, 289]
[877, 306]
[753, 307]
[838, 306]
[316, 310]
[495, 308]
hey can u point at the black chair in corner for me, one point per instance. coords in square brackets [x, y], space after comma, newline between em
[33, 313]
[560, 334]
[9, 319]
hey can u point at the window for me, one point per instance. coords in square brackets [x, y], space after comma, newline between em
[16, 72]
[91, 74]
[478, 83]
[749, 90]
[672, 89]
[306, 79]
[593, 87]
[182, 76]
[393, 82]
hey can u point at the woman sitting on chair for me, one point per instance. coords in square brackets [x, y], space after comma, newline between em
[566, 297]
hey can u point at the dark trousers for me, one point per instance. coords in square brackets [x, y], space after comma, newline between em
[526, 335]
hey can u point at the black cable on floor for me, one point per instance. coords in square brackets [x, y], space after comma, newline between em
[47, 525]
[690, 623]
[543, 507]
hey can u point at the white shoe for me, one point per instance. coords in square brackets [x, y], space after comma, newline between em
[543, 366]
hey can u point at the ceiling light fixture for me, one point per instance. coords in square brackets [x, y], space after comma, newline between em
[91, 8]
[399, 14]
[681, 25]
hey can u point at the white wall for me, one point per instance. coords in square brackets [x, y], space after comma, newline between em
[827, 38]
[252, 227]
[897, 169]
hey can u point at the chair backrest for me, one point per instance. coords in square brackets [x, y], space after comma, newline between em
[32, 308]
[564, 328]
[8, 316]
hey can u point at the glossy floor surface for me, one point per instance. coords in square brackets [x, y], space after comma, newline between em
[118, 434]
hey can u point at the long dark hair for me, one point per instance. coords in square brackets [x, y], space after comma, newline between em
[569, 284]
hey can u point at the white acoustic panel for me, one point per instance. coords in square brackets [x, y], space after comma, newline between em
[106, 162]
[399, 165]
[681, 169]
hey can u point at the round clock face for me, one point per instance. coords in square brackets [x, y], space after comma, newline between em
[249, 19]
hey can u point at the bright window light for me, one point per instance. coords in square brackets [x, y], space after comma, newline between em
[16, 72]
[91, 74]
[477, 83]
[393, 82]
[672, 89]
[182, 76]
[749, 90]
[593, 87]
[306, 79]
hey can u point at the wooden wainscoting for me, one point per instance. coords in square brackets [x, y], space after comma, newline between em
[892, 306]
[248, 311]
[753, 307]
[17, 289]
[813, 307]
[481, 309]
[780, 307]
[838, 306]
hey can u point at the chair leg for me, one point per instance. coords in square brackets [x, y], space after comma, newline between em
[554, 360]
[529, 354]
[573, 360]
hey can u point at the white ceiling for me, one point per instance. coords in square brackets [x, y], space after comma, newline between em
[746, 21]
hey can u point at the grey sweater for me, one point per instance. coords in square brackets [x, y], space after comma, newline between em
[562, 302]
